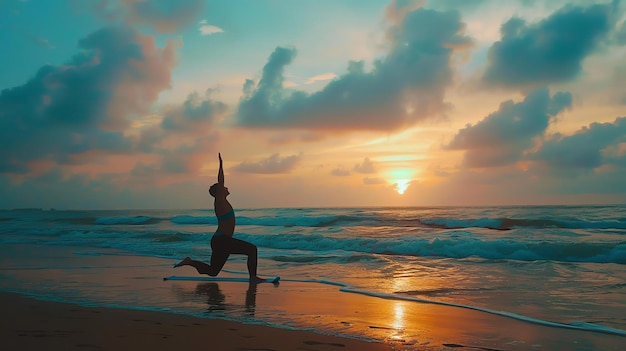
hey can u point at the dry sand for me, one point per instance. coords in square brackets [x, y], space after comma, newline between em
[30, 324]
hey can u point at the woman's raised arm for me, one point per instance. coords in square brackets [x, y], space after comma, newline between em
[220, 173]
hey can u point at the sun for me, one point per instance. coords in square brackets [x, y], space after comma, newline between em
[402, 185]
[401, 179]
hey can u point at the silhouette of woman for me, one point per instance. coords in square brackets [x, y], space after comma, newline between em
[222, 243]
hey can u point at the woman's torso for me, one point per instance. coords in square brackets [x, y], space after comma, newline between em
[225, 218]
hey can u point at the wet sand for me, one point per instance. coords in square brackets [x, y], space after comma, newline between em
[132, 309]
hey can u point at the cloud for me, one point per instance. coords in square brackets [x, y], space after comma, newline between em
[185, 133]
[286, 138]
[340, 172]
[455, 4]
[405, 86]
[373, 181]
[144, 170]
[367, 167]
[172, 154]
[78, 191]
[44, 43]
[182, 129]
[65, 111]
[398, 9]
[56, 189]
[321, 77]
[550, 51]
[195, 114]
[502, 137]
[188, 156]
[588, 148]
[95, 105]
[272, 165]
[175, 165]
[620, 35]
[207, 29]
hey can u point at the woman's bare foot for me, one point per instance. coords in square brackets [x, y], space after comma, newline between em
[184, 262]
[256, 279]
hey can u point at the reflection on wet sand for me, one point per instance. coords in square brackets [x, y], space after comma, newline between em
[407, 325]
[217, 300]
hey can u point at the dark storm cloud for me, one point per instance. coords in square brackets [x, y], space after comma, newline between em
[271, 165]
[550, 51]
[501, 137]
[66, 110]
[405, 86]
[586, 149]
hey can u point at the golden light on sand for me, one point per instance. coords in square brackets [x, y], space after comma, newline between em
[398, 316]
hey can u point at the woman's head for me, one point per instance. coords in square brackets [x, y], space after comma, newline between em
[217, 189]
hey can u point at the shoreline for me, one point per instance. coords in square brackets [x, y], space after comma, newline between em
[53, 296]
[38, 325]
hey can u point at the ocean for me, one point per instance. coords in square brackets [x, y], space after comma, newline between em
[560, 266]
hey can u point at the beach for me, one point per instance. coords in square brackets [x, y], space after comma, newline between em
[351, 279]
[120, 301]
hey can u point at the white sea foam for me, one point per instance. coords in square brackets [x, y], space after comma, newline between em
[446, 245]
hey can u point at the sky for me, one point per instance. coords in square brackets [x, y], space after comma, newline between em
[123, 104]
